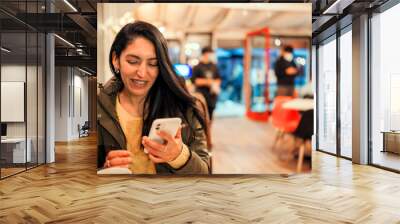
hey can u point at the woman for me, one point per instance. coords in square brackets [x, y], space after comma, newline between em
[144, 88]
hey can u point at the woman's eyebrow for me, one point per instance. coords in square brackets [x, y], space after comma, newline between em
[137, 57]
[133, 56]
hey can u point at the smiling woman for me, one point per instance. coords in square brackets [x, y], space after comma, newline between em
[144, 88]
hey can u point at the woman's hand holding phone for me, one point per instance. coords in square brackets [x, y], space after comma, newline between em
[167, 152]
[118, 158]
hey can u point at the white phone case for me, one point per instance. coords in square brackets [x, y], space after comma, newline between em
[169, 125]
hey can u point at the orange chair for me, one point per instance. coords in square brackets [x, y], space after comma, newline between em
[284, 120]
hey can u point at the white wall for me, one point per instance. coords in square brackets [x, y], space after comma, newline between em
[14, 73]
[33, 127]
[61, 103]
[70, 84]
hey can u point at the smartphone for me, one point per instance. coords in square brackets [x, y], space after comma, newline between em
[169, 125]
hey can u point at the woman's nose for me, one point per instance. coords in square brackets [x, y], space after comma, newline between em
[142, 69]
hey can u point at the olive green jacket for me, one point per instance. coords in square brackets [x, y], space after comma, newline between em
[110, 136]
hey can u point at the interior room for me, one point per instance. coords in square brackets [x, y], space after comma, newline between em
[50, 73]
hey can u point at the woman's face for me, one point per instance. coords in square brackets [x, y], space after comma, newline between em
[138, 66]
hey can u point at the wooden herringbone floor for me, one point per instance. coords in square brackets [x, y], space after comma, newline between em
[69, 191]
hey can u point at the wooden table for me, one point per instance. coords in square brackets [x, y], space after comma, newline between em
[15, 148]
[299, 104]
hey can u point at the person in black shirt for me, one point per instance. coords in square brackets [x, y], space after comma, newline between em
[286, 71]
[207, 79]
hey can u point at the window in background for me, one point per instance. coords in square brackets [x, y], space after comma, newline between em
[174, 51]
[327, 96]
[346, 94]
[230, 67]
[258, 75]
[385, 84]
[23, 77]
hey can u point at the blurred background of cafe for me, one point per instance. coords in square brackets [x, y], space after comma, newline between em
[247, 40]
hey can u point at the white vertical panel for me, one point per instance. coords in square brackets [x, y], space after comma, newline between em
[12, 101]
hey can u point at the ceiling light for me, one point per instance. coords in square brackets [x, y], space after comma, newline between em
[65, 41]
[5, 50]
[162, 29]
[277, 42]
[70, 5]
[193, 62]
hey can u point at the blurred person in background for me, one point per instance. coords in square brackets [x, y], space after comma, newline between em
[286, 71]
[207, 79]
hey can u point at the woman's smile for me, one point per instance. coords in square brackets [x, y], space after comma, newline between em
[138, 83]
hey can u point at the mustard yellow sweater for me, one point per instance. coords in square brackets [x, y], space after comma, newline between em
[132, 128]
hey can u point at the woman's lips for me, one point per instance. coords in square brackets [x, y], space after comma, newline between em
[138, 83]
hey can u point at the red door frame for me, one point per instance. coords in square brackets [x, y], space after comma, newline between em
[259, 116]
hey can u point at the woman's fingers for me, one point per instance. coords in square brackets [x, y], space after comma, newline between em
[118, 158]
[179, 133]
[122, 166]
[120, 161]
[153, 147]
[153, 144]
[165, 136]
[118, 153]
[161, 153]
[155, 159]
[155, 152]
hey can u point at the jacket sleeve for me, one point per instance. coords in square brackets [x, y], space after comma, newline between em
[101, 152]
[199, 159]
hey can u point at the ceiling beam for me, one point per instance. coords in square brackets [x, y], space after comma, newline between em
[221, 17]
[191, 14]
[162, 16]
[83, 61]
[84, 24]
[91, 5]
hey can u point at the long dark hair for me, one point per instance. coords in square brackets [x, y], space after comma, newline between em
[168, 96]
